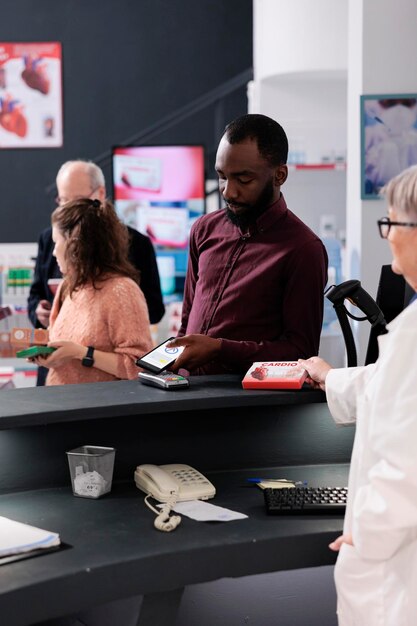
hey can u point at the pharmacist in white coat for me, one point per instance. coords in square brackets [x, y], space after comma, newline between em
[376, 570]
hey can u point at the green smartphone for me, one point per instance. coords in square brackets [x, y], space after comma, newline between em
[34, 351]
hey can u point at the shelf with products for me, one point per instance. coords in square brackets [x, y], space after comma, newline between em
[340, 166]
[16, 275]
[17, 373]
[14, 372]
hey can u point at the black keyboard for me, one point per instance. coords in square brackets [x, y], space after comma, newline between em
[305, 500]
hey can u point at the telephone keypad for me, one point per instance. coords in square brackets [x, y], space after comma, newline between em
[189, 477]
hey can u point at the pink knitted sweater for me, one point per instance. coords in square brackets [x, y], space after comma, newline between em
[113, 318]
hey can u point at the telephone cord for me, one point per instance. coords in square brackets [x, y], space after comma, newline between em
[163, 520]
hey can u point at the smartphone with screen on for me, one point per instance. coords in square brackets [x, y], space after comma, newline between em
[160, 358]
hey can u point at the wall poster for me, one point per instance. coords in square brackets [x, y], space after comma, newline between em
[30, 95]
[389, 139]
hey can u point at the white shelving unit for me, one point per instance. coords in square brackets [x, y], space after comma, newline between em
[14, 293]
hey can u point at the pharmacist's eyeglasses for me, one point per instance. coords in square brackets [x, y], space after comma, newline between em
[384, 225]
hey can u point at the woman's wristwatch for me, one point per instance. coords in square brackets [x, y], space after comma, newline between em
[88, 360]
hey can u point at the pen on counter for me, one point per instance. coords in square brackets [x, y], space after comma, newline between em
[299, 483]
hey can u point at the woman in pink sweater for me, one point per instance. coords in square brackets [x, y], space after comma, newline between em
[99, 321]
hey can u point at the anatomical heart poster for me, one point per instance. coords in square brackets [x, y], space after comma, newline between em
[30, 95]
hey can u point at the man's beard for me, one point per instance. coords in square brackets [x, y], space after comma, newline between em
[252, 211]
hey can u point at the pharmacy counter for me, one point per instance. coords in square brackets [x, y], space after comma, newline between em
[111, 549]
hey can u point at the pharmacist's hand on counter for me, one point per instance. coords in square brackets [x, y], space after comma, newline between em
[199, 350]
[317, 370]
[65, 352]
[337, 543]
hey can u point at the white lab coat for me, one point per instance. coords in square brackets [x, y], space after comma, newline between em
[376, 579]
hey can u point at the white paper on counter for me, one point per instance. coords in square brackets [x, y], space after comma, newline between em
[205, 512]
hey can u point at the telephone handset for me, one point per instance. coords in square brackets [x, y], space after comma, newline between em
[171, 484]
[162, 481]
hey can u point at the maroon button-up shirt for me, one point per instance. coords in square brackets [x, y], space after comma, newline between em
[260, 291]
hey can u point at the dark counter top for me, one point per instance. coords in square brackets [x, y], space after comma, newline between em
[115, 552]
[68, 403]
[112, 550]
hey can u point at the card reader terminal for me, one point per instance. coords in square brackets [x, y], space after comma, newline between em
[165, 380]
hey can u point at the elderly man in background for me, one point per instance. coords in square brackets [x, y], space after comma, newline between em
[84, 179]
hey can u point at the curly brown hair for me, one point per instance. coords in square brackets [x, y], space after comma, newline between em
[97, 243]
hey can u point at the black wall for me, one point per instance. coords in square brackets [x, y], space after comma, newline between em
[126, 65]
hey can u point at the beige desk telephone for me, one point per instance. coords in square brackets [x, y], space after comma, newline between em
[171, 484]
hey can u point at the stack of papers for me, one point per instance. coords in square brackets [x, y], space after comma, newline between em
[17, 538]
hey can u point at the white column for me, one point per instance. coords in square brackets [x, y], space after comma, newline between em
[382, 59]
[300, 61]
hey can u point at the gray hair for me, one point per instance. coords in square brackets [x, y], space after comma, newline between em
[401, 192]
[93, 171]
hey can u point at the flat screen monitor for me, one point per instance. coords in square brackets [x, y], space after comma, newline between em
[160, 191]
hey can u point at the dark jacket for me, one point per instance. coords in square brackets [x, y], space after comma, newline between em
[141, 255]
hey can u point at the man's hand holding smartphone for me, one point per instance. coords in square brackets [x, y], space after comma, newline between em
[197, 350]
[160, 358]
[188, 352]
